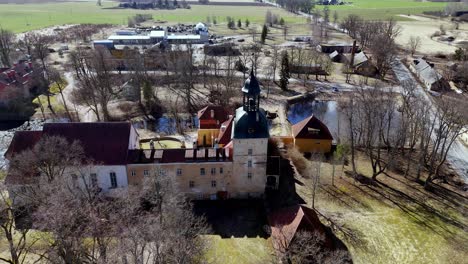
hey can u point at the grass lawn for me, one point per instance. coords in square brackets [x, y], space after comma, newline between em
[25, 17]
[239, 250]
[384, 9]
[395, 221]
[162, 144]
[55, 99]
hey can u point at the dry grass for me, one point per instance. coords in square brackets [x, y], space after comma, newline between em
[393, 221]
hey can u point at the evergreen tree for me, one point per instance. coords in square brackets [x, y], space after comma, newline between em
[264, 33]
[175, 3]
[284, 73]
[239, 23]
[281, 22]
[247, 22]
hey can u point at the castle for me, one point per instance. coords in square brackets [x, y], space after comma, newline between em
[228, 161]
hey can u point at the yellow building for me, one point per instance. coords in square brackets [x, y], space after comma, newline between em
[210, 120]
[311, 135]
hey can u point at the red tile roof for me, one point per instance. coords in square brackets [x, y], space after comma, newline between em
[22, 140]
[209, 122]
[286, 222]
[302, 129]
[226, 131]
[106, 143]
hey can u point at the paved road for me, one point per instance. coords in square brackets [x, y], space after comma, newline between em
[458, 153]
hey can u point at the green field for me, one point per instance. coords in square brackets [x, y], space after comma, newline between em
[385, 9]
[25, 17]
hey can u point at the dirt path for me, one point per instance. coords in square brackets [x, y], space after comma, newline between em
[84, 113]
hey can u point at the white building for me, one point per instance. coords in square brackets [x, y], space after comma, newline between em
[105, 144]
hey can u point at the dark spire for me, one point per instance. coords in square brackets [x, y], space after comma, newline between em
[251, 85]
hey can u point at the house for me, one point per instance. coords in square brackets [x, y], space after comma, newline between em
[14, 81]
[210, 120]
[339, 47]
[311, 135]
[106, 144]
[426, 73]
[362, 64]
[337, 57]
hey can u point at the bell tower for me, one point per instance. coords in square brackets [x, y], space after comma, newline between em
[250, 143]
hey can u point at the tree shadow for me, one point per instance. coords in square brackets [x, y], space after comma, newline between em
[234, 218]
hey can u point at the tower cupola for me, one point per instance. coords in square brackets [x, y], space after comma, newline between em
[251, 91]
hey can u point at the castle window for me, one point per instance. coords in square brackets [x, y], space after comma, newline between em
[202, 171]
[145, 172]
[133, 173]
[249, 175]
[113, 180]
[213, 184]
[213, 171]
[191, 184]
[179, 172]
[250, 151]
[249, 164]
[221, 170]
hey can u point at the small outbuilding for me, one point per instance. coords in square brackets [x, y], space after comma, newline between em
[312, 135]
[426, 73]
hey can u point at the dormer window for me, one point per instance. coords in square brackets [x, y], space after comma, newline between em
[313, 131]
[212, 113]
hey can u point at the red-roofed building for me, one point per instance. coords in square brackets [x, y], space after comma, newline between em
[107, 144]
[14, 81]
[312, 135]
[210, 119]
[286, 222]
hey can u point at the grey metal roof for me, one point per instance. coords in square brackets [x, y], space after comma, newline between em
[426, 72]
[250, 124]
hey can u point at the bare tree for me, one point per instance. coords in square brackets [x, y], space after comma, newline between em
[20, 242]
[97, 84]
[40, 52]
[414, 44]
[6, 45]
[447, 124]
[166, 231]
[384, 51]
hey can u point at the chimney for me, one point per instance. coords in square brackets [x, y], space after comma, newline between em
[195, 150]
[353, 51]
[151, 144]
